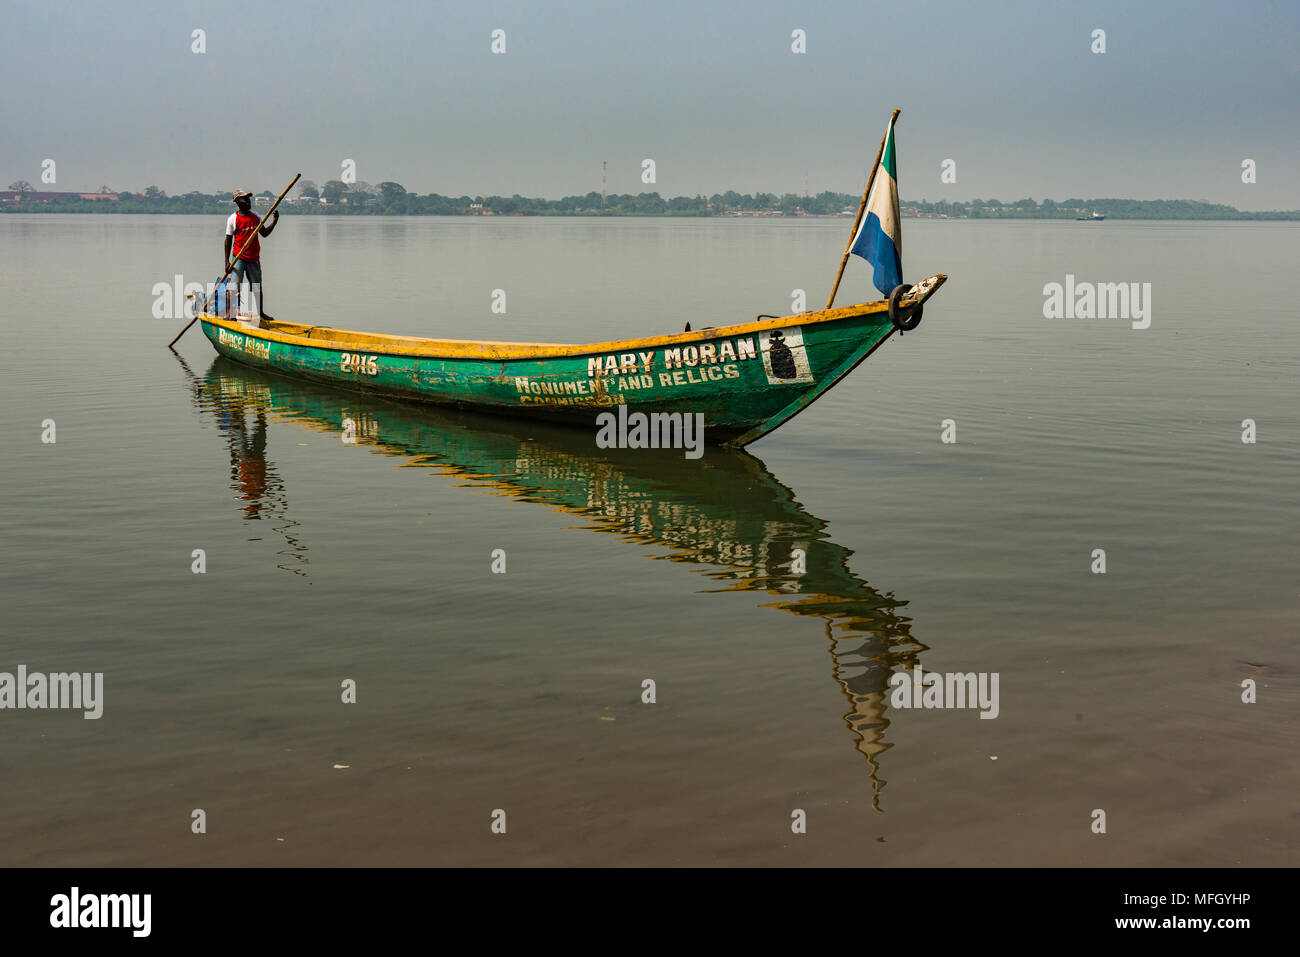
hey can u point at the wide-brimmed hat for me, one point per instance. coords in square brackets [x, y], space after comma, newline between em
[239, 194]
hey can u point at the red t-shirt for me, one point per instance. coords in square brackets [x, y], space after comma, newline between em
[243, 227]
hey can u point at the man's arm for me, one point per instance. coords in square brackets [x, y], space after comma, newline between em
[266, 230]
[228, 239]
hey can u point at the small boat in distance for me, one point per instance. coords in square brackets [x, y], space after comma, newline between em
[1094, 218]
[745, 378]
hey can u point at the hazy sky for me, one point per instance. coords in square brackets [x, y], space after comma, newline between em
[711, 91]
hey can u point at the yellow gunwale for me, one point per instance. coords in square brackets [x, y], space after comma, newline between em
[380, 344]
[346, 340]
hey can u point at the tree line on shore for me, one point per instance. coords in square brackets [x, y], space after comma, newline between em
[392, 199]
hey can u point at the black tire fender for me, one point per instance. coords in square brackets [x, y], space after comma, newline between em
[912, 319]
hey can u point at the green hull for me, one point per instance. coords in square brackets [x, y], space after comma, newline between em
[745, 379]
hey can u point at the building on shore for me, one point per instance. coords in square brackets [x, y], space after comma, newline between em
[40, 196]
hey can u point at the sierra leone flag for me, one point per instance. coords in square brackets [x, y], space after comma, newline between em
[880, 236]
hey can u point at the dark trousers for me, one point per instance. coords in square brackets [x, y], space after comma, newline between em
[252, 271]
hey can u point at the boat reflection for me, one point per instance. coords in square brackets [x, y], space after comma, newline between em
[725, 513]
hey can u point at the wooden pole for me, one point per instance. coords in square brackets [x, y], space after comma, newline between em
[231, 267]
[857, 220]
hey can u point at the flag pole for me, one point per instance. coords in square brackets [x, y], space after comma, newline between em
[857, 220]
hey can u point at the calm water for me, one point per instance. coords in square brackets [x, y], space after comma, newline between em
[522, 692]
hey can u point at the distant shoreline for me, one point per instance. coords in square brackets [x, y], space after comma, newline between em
[390, 199]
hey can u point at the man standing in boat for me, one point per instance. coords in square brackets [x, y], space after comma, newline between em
[242, 229]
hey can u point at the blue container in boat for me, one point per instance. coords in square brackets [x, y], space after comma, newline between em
[226, 299]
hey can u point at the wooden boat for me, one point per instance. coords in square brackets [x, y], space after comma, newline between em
[746, 379]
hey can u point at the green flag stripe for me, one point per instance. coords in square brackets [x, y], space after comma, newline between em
[887, 161]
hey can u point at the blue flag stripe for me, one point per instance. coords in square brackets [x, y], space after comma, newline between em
[877, 248]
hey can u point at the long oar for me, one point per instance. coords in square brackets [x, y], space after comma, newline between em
[857, 220]
[230, 268]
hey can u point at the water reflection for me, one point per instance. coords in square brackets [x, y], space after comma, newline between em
[726, 514]
[256, 482]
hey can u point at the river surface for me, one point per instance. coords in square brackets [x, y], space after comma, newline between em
[519, 697]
